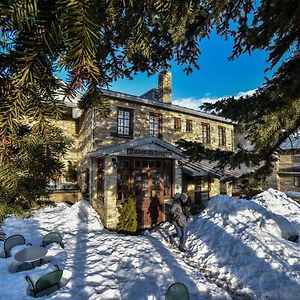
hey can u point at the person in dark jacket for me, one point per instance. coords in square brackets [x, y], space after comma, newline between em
[180, 212]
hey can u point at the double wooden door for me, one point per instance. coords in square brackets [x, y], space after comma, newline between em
[150, 181]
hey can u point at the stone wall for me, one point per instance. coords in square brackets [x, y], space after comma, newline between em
[285, 160]
[70, 129]
[287, 184]
[110, 194]
[97, 132]
[287, 181]
[106, 129]
[85, 145]
[63, 196]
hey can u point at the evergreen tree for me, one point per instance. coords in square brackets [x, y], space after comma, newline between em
[97, 42]
[127, 216]
[272, 114]
[33, 162]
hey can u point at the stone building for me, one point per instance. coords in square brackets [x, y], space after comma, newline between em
[133, 152]
[286, 175]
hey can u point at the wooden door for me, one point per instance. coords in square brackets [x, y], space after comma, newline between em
[149, 180]
[152, 184]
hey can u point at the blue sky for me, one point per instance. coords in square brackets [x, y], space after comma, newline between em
[217, 78]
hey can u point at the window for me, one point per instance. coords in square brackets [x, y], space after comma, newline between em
[296, 160]
[189, 125]
[155, 125]
[205, 133]
[221, 136]
[297, 181]
[125, 122]
[177, 124]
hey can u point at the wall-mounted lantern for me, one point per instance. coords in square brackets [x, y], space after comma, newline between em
[115, 162]
[180, 163]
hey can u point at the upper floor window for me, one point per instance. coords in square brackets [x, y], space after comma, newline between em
[205, 133]
[297, 181]
[155, 125]
[221, 136]
[189, 125]
[177, 124]
[125, 122]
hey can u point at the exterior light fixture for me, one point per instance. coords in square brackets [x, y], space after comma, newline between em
[180, 163]
[115, 162]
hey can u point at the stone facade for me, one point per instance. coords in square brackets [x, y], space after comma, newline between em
[70, 127]
[99, 148]
[105, 129]
[97, 132]
[288, 172]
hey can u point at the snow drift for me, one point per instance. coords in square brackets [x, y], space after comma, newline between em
[239, 249]
[244, 244]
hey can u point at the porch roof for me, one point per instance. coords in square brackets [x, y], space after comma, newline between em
[209, 168]
[144, 147]
[152, 147]
[290, 171]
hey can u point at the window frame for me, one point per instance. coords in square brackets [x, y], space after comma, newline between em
[207, 140]
[221, 136]
[152, 131]
[177, 124]
[189, 125]
[121, 133]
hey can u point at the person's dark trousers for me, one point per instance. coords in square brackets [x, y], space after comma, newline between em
[181, 233]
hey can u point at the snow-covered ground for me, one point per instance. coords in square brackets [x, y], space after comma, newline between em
[238, 250]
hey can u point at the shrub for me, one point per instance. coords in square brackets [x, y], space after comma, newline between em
[71, 174]
[127, 216]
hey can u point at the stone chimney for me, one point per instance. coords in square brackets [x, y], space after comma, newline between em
[165, 87]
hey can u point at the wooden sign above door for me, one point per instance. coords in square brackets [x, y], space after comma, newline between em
[149, 152]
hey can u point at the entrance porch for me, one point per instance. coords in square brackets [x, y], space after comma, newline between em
[147, 169]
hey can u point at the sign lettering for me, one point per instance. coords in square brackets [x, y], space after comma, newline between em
[149, 152]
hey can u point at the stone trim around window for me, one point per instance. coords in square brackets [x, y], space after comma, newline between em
[221, 136]
[177, 124]
[124, 122]
[205, 134]
[189, 125]
[155, 125]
